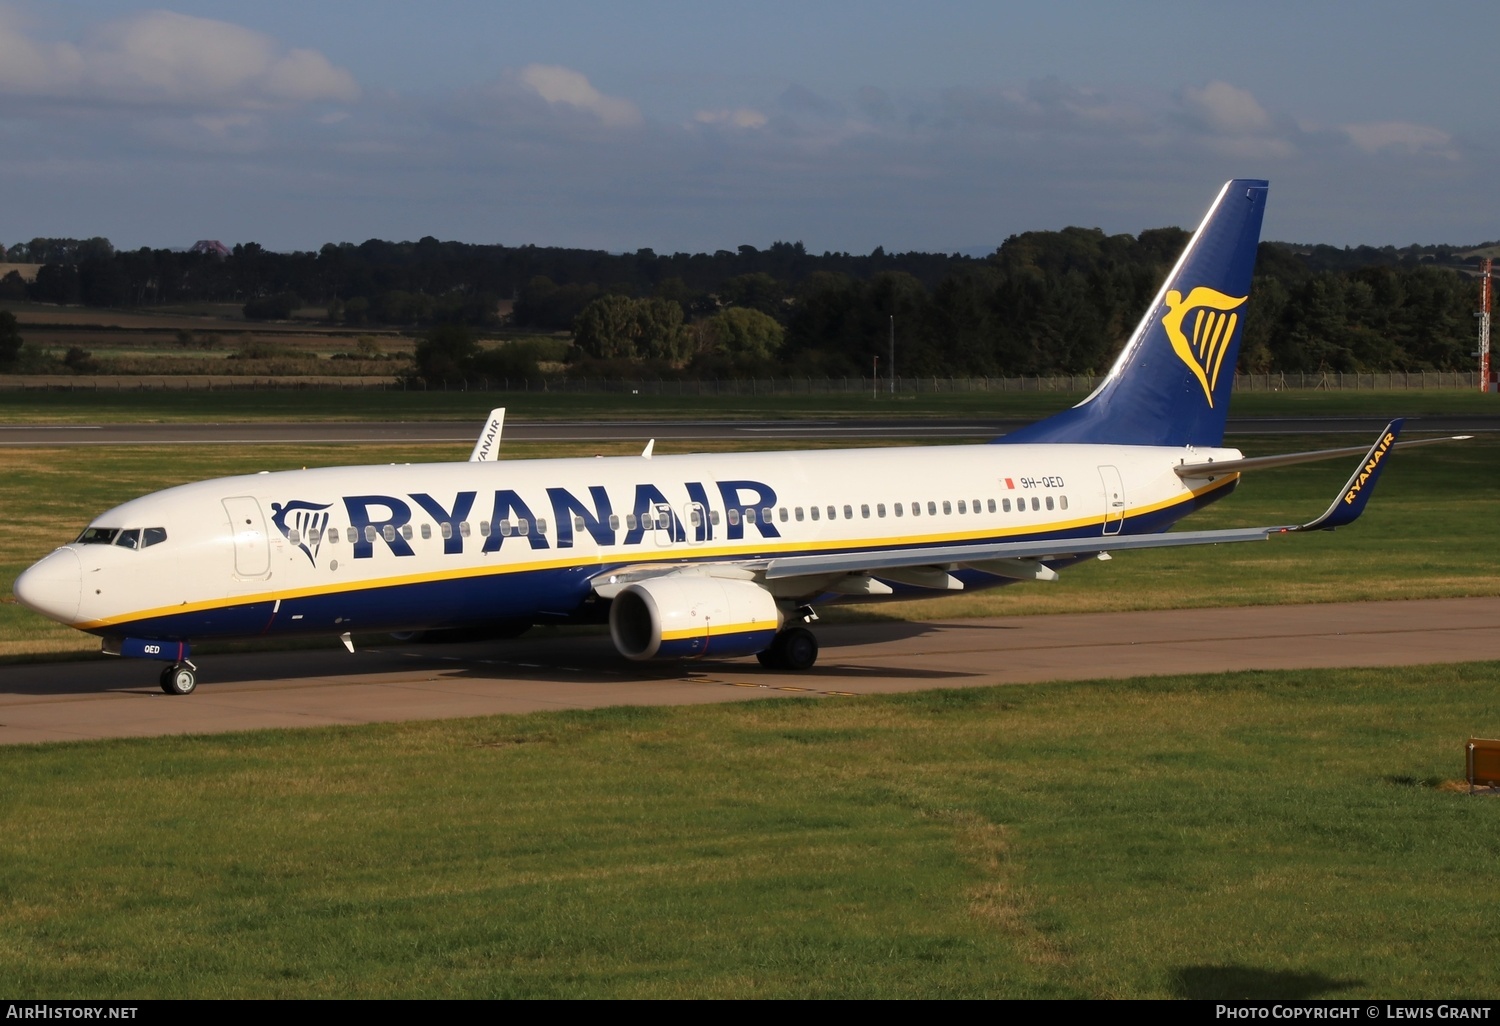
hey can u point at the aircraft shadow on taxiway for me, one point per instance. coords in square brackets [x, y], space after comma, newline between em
[572, 658]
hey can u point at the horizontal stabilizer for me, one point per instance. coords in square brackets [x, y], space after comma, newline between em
[1202, 470]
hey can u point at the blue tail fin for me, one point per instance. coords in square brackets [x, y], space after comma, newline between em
[1171, 382]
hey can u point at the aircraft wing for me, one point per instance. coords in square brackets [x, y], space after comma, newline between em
[928, 566]
[1010, 559]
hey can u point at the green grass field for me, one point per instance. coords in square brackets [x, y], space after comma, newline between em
[1292, 835]
[1289, 835]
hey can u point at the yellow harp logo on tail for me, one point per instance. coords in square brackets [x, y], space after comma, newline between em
[1214, 317]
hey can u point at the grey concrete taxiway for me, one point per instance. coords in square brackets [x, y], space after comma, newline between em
[119, 698]
[462, 434]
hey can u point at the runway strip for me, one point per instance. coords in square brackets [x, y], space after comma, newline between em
[119, 698]
[462, 434]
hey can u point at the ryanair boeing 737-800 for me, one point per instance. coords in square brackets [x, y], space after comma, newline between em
[689, 556]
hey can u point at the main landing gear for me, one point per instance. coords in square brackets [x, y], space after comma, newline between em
[179, 678]
[795, 648]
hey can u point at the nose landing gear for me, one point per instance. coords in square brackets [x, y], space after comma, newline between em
[179, 678]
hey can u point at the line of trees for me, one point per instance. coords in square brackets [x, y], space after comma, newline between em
[1057, 302]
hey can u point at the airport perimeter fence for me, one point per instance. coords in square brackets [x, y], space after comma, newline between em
[1076, 383]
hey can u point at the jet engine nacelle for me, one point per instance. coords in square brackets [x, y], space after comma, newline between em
[688, 617]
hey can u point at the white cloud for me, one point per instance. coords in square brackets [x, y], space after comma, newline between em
[161, 57]
[1046, 105]
[1226, 109]
[559, 85]
[739, 117]
[1404, 136]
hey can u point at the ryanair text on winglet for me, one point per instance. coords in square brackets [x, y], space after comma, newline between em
[1374, 461]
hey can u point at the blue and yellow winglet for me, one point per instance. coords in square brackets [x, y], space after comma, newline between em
[1361, 484]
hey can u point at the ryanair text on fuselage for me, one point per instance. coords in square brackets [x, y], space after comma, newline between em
[373, 518]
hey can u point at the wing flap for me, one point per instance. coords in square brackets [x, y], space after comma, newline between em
[942, 556]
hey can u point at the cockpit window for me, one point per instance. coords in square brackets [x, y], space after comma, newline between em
[132, 538]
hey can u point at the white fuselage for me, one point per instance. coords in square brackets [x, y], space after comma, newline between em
[431, 545]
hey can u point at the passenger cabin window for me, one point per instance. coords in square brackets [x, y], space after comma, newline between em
[1036, 503]
[962, 508]
[833, 513]
[446, 530]
[1062, 500]
[947, 507]
[749, 516]
[992, 505]
[427, 531]
[293, 536]
[614, 521]
[333, 535]
[484, 529]
[370, 532]
[463, 528]
[880, 509]
[781, 512]
[814, 511]
[388, 532]
[931, 508]
[713, 517]
[1005, 505]
[765, 515]
[849, 513]
[1049, 502]
[734, 517]
[864, 511]
[916, 509]
[798, 513]
[897, 507]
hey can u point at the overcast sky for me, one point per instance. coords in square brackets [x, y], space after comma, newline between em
[696, 126]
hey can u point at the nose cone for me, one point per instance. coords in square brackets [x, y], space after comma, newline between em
[52, 586]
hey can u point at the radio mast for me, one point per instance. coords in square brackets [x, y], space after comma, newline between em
[1484, 325]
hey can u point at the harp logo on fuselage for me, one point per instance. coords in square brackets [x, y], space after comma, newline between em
[1202, 342]
[307, 519]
